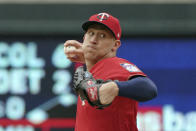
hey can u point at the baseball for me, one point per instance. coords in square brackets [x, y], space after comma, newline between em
[71, 48]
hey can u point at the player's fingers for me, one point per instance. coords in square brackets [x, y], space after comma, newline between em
[73, 43]
[77, 52]
[74, 59]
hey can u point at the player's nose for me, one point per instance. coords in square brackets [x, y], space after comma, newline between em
[93, 40]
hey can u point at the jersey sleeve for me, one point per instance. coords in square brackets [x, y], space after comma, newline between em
[125, 70]
[115, 69]
[131, 70]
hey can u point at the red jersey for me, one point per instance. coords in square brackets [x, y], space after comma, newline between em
[121, 114]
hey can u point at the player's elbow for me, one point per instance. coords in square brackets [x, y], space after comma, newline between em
[150, 90]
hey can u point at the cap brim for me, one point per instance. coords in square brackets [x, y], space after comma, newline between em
[86, 25]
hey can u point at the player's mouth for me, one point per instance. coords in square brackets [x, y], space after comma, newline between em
[91, 47]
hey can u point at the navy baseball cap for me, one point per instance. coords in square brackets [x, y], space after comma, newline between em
[111, 22]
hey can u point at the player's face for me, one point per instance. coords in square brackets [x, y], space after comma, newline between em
[98, 43]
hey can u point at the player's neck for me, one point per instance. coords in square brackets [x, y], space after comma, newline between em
[90, 64]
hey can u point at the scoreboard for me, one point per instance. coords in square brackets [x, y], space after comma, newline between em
[35, 85]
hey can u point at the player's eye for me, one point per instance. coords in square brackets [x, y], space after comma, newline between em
[102, 35]
[91, 33]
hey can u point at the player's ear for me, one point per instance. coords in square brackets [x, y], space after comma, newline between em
[117, 44]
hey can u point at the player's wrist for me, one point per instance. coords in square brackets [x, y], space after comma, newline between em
[116, 89]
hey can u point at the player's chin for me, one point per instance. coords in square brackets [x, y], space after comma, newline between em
[90, 56]
[90, 52]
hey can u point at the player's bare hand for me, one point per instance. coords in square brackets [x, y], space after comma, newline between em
[107, 92]
[73, 51]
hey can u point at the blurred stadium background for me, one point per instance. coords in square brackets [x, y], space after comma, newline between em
[159, 36]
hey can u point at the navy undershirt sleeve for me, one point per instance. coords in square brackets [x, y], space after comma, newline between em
[138, 88]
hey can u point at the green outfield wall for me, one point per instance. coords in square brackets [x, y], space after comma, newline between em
[135, 19]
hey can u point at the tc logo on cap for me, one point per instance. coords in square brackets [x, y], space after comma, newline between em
[102, 16]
